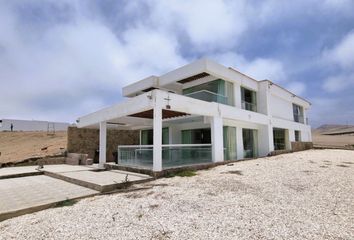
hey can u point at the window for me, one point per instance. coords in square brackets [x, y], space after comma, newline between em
[147, 136]
[218, 91]
[279, 138]
[249, 99]
[297, 136]
[229, 134]
[196, 136]
[298, 113]
[249, 143]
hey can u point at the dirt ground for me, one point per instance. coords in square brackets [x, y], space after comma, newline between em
[17, 146]
[303, 195]
[332, 140]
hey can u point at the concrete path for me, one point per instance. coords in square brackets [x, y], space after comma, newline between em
[29, 194]
[21, 194]
[10, 172]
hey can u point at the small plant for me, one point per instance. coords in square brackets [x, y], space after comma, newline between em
[184, 173]
[66, 203]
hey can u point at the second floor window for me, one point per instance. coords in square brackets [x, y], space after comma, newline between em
[249, 99]
[298, 113]
[219, 91]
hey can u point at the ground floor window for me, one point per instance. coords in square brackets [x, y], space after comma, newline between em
[196, 136]
[229, 134]
[147, 136]
[279, 138]
[297, 136]
[249, 142]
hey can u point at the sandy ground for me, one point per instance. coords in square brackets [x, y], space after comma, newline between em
[304, 195]
[17, 146]
[330, 140]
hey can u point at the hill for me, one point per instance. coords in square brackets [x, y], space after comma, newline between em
[17, 146]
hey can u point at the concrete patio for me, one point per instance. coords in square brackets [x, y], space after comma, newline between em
[26, 189]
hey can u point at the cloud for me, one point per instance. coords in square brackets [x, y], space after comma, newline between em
[209, 25]
[298, 88]
[343, 53]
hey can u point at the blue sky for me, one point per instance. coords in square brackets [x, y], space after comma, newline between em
[63, 59]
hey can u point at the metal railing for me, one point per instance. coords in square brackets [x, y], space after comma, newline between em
[173, 155]
[249, 106]
[208, 96]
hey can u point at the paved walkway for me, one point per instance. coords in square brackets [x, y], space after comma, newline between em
[8, 172]
[21, 194]
[28, 194]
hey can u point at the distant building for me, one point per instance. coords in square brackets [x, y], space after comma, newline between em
[32, 125]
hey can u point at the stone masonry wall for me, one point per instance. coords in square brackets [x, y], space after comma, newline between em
[86, 140]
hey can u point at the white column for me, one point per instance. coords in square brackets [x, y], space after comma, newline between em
[157, 148]
[103, 144]
[291, 138]
[239, 143]
[237, 95]
[265, 140]
[217, 140]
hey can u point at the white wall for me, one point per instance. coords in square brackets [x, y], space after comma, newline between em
[281, 108]
[31, 125]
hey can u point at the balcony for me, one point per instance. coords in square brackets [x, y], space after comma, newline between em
[208, 96]
[299, 118]
[249, 106]
[173, 155]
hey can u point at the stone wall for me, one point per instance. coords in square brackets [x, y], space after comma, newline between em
[86, 140]
[300, 146]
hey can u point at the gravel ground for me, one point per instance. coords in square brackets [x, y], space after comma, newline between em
[304, 195]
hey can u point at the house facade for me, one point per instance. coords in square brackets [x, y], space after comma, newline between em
[201, 113]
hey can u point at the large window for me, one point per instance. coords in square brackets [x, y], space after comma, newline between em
[219, 91]
[229, 134]
[297, 136]
[249, 143]
[249, 99]
[196, 136]
[147, 136]
[279, 139]
[298, 113]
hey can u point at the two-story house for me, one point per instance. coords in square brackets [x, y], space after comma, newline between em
[202, 112]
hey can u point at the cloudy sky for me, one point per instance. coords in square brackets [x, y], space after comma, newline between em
[62, 59]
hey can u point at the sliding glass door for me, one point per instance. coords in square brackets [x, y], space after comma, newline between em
[249, 143]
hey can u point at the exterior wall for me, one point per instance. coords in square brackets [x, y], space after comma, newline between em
[31, 125]
[86, 140]
[281, 108]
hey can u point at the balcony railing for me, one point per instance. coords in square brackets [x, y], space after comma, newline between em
[208, 96]
[173, 155]
[249, 106]
[299, 118]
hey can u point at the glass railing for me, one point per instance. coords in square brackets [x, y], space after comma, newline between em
[249, 106]
[208, 96]
[173, 155]
[136, 156]
[177, 155]
[299, 118]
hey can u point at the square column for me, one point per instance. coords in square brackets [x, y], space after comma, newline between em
[291, 137]
[157, 147]
[103, 144]
[217, 139]
[265, 140]
[237, 95]
[239, 143]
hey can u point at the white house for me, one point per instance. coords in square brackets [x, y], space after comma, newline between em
[199, 113]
